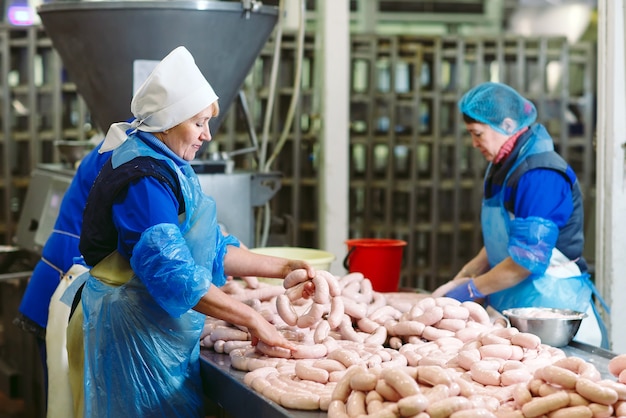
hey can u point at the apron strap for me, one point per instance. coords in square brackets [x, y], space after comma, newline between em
[601, 324]
[113, 270]
[61, 272]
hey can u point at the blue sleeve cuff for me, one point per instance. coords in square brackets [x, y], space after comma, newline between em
[465, 292]
[531, 241]
[223, 241]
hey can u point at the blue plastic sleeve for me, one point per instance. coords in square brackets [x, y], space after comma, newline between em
[219, 276]
[163, 262]
[531, 241]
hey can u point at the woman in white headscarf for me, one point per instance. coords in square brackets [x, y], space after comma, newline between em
[158, 258]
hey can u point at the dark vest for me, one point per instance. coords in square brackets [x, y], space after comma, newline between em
[99, 237]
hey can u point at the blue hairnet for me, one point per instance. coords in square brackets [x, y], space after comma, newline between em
[490, 103]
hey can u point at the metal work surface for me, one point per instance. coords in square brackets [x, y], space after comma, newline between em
[594, 355]
[224, 385]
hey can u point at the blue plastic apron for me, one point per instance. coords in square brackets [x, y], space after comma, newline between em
[543, 290]
[132, 342]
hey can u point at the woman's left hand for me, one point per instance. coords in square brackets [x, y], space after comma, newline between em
[299, 264]
[465, 292]
[448, 286]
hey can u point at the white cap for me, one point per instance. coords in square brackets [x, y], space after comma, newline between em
[173, 92]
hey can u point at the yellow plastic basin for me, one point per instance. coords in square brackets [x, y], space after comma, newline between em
[318, 259]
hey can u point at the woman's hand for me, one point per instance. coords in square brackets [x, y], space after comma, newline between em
[475, 267]
[308, 288]
[465, 292]
[448, 286]
[261, 330]
[292, 265]
[219, 305]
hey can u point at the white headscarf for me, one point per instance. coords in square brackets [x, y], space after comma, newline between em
[173, 92]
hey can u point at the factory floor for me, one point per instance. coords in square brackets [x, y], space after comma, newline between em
[11, 408]
[19, 353]
[14, 408]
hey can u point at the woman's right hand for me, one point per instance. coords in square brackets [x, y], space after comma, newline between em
[261, 330]
[222, 306]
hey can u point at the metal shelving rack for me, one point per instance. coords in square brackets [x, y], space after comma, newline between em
[413, 172]
[39, 106]
[437, 210]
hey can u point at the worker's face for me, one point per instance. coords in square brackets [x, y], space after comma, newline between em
[186, 138]
[487, 140]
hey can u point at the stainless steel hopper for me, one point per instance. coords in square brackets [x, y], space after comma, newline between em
[98, 41]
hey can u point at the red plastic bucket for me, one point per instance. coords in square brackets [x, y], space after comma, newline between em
[379, 259]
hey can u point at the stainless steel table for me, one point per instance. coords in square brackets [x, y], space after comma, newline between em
[224, 385]
[594, 355]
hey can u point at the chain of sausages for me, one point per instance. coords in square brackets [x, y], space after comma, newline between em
[361, 356]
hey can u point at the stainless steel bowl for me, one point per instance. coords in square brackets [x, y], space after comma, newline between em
[555, 327]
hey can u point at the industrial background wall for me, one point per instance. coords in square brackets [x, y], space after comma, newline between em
[413, 173]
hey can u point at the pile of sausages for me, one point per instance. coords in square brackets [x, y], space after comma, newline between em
[363, 354]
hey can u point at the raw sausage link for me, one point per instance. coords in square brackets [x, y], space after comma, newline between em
[412, 405]
[294, 293]
[580, 411]
[473, 413]
[333, 284]
[295, 277]
[618, 387]
[322, 293]
[600, 411]
[337, 409]
[542, 406]
[285, 310]
[401, 381]
[329, 365]
[342, 389]
[595, 392]
[617, 364]
[309, 351]
[364, 382]
[526, 340]
[558, 376]
[304, 401]
[445, 407]
[387, 391]
[433, 375]
[355, 405]
[315, 374]
[336, 312]
[312, 316]
[477, 312]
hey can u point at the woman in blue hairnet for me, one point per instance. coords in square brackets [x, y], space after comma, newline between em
[531, 217]
[158, 258]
